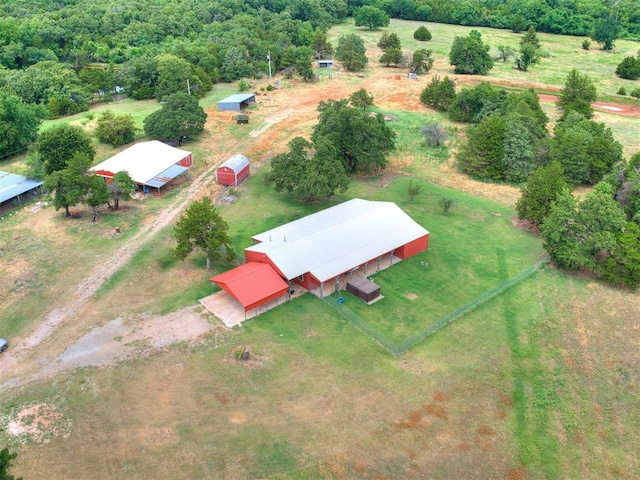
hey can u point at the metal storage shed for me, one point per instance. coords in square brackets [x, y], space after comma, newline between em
[12, 186]
[325, 63]
[234, 171]
[236, 101]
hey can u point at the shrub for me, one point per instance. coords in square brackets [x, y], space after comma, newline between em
[422, 34]
[243, 85]
[622, 91]
[635, 93]
[586, 43]
[629, 68]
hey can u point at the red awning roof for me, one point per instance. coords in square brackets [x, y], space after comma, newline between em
[252, 284]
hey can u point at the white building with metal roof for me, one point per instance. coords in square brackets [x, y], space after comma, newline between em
[320, 247]
[150, 164]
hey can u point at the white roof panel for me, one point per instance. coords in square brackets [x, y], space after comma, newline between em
[144, 161]
[236, 163]
[338, 239]
[12, 185]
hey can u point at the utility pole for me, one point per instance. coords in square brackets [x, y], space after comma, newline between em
[269, 58]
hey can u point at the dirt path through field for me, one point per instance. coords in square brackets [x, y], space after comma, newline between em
[13, 364]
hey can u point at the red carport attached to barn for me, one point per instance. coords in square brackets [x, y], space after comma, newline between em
[252, 284]
[234, 171]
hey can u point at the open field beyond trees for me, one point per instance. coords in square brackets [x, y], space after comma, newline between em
[539, 382]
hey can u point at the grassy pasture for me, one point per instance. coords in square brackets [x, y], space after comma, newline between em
[564, 53]
[540, 382]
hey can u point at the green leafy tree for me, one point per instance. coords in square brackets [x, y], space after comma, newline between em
[19, 123]
[472, 104]
[505, 53]
[115, 130]
[561, 232]
[322, 48]
[6, 457]
[180, 115]
[202, 228]
[121, 187]
[421, 61]
[529, 55]
[352, 53]
[541, 190]
[97, 194]
[139, 77]
[439, 93]
[57, 145]
[69, 185]
[176, 75]
[371, 17]
[606, 31]
[576, 234]
[361, 99]
[391, 56]
[518, 24]
[622, 266]
[470, 55]
[587, 150]
[389, 40]
[422, 34]
[362, 142]
[577, 95]
[629, 68]
[482, 154]
[530, 38]
[309, 171]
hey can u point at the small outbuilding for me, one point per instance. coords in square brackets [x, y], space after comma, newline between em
[14, 186]
[325, 63]
[363, 288]
[237, 102]
[234, 171]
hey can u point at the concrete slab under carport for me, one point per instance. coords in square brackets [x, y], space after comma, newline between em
[232, 313]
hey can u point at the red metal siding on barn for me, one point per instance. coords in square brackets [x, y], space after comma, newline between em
[412, 248]
[227, 176]
[186, 161]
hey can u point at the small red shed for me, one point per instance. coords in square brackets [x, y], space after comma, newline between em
[234, 171]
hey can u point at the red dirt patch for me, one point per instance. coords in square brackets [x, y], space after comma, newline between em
[440, 397]
[615, 108]
[436, 411]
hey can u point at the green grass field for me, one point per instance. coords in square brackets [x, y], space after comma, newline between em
[539, 382]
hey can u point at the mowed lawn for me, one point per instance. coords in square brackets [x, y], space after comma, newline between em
[472, 249]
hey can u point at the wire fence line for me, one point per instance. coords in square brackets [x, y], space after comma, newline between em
[409, 342]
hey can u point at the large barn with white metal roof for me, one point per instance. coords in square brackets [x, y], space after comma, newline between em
[150, 164]
[326, 247]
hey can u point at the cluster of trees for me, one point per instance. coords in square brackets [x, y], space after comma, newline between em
[600, 233]
[419, 61]
[62, 156]
[345, 141]
[62, 56]
[507, 138]
[599, 18]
